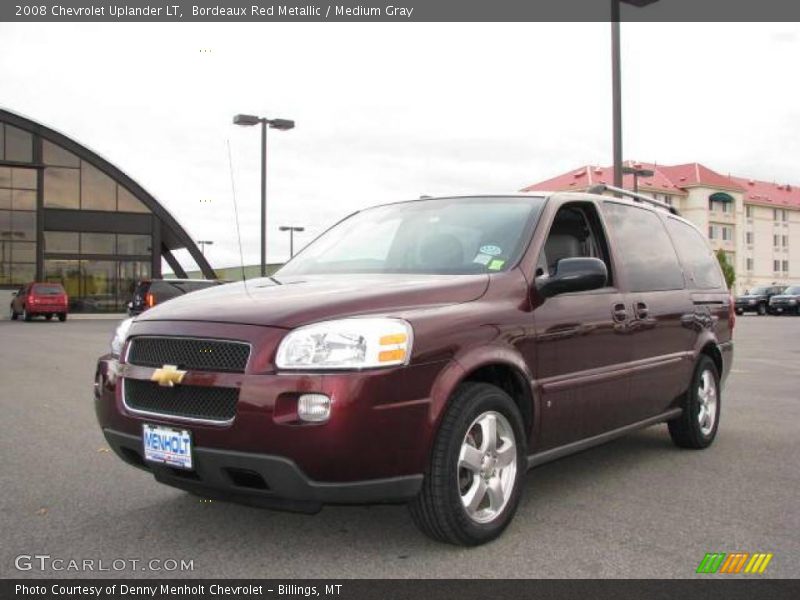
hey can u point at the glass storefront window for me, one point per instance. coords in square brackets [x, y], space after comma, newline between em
[23, 225]
[98, 190]
[130, 273]
[18, 144]
[99, 283]
[23, 200]
[57, 156]
[67, 273]
[2, 142]
[98, 243]
[23, 179]
[127, 202]
[5, 177]
[22, 273]
[23, 252]
[133, 244]
[61, 188]
[5, 199]
[62, 242]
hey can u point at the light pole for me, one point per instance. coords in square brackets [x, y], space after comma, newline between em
[203, 244]
[282, 125]
[636, 174]
[291, 229]
[616, 83]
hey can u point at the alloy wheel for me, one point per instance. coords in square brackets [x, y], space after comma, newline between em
[707, 400]
[487, 467]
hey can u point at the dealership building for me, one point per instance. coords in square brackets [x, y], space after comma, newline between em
[755, 223]
[68, 215]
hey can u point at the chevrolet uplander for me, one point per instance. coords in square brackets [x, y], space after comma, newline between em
[429, 352]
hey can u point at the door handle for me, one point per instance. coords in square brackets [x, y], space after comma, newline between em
[640, 310]
[619, 312]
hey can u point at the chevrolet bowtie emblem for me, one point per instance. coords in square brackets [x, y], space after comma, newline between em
[168, 376]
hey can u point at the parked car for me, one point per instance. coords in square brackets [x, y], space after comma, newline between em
[429, 352]
[757, 299]
[38, 299]
[787, 302]
[150, 292]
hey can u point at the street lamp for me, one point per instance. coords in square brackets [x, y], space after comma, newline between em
[203, 244]
[636, 174]
[291, 229]
[616, 83]
[282, 125]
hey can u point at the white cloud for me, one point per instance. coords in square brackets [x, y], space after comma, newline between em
[391, 111]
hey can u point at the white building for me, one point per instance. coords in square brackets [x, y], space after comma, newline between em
[756, 223]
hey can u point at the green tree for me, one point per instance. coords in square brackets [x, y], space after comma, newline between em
[727, 269]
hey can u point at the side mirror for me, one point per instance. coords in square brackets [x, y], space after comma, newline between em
[574, 275]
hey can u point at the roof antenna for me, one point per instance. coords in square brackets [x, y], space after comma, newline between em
[236, 214]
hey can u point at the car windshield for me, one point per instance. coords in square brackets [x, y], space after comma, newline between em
[792, 291]
[759, 291]
[441, 236]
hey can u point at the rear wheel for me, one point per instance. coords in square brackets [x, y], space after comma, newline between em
[49, 316]
[473, 483]
[697, 426]
[14, 314]
[62, 317]
[26, 315]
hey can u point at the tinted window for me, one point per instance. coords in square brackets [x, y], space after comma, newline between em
[61, 242]
[19, 144]
[701, 265]
[98, 243]
[48, 290]
[793, 291]
[61, 188]
[644, 248]
[57, 156]
[133, 244]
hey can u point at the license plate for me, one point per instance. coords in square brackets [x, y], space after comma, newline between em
[168, 446]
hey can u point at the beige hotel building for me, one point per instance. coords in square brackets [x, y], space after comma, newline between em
[756, 223]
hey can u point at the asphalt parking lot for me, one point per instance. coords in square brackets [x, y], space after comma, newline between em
[637, 507]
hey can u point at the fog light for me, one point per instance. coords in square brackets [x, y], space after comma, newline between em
[313, 408]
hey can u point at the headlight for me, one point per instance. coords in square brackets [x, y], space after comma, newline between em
[792, 301]
[751, 301]
[120, 335]
[357, 343]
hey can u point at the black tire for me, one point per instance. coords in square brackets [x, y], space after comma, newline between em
[762, 309]
[26, 315]
[14, 314]
[62, 317]
[49, 316]
[686, 431]
[739, 312]
[438, 509]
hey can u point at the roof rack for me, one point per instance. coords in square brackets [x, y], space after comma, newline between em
[602, 187]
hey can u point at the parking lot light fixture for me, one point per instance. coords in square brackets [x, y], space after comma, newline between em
[291, 229]
[281, 125]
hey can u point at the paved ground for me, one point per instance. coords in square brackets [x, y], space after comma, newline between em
[637, 507]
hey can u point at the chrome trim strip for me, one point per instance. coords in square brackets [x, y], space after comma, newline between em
[145, 413]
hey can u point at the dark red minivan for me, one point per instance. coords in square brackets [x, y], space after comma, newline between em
[40, 300]
[429, 352]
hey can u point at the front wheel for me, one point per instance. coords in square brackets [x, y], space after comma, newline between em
[739, 311]
[697, 426]
[62, 317]
[473, 484]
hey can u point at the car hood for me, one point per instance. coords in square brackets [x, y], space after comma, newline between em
[294, 301]
[785, 297]
[751, 297]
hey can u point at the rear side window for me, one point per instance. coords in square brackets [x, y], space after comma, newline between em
[644, 248]
[48, 290]
[193, 286]
[702, 267]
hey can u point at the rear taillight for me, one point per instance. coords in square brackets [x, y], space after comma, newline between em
[149, 300]
[31, 299]
[731, 313]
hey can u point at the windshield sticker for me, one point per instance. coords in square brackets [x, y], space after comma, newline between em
[482, 259]
[491, 250]
[496, 264]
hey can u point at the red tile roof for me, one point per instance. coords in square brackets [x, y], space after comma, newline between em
[762, 192]
[674, 180]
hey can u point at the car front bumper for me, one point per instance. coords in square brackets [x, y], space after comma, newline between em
[261, 480]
